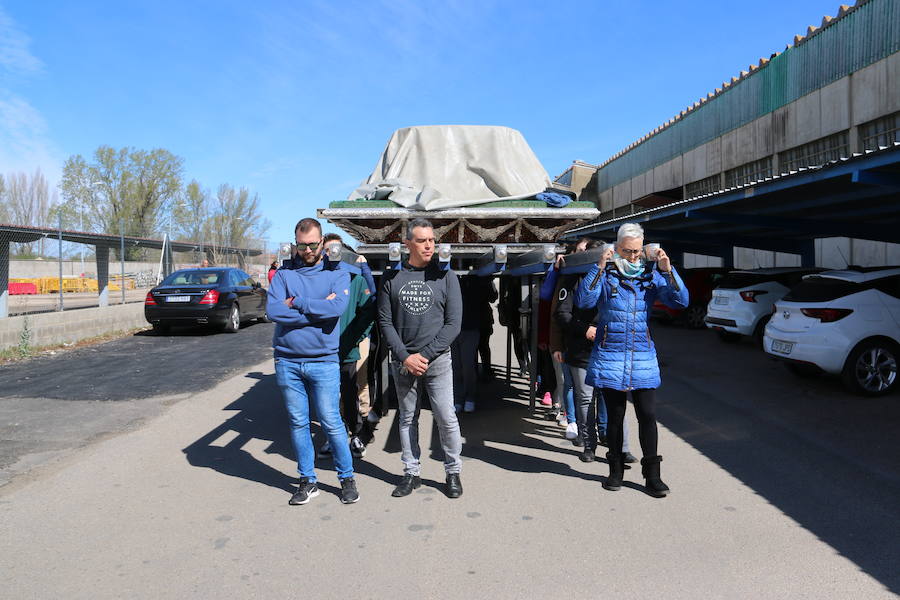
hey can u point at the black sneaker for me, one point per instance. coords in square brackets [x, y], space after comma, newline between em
[349, 495]
[304, 493]
[454, 485]
[587, 455]
[325, 450]
[406, 486]
[603, 441]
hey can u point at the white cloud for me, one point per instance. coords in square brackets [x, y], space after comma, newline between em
[15, 56]
[25, 142]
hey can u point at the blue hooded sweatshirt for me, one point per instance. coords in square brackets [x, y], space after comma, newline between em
[308, 330]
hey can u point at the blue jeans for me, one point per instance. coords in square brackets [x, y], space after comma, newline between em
[568, 394]
[315, 384]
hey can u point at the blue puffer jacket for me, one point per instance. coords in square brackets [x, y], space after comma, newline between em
[624, 356]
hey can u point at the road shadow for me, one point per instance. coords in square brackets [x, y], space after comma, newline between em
[259, 414]
[825, 458]
[502, 432]
[193, 330]
[502, 418]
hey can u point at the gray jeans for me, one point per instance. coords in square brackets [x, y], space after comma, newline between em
[586, 398]
[438, 380]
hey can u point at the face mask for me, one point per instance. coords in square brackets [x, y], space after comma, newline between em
[628, 268]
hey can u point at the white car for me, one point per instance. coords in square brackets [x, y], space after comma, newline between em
[742, 302]
[842, 322]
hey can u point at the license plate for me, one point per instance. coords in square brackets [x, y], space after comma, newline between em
[721, 299]
[782, 347]
[178, 298]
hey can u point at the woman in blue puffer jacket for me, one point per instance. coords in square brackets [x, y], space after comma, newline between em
[623, 286]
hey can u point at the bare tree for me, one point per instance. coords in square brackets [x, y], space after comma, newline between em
[28, 203]
[235, 220]
[4, 210]
[190, 214]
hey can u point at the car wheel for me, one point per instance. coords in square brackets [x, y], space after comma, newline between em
[161, 328]
[802, 370]
[871, 369]
[729, 336]
[234, 319]
[759, 333]
[694, 316]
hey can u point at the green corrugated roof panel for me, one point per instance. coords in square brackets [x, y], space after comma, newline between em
[868, 34]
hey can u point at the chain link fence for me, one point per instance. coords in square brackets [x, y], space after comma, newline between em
[61, 266]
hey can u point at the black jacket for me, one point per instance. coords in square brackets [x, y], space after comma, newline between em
[574, 322]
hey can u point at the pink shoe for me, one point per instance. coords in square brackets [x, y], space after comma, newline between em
[547, 400]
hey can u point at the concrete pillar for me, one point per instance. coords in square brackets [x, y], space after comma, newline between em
[727, 257]
[4, 280]
[854, 142]
[102, 254]
[808, 254]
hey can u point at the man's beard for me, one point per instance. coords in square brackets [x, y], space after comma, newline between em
[310, 261]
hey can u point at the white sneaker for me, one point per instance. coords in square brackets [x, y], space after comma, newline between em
[562, 420]
[571, 431]
[469, 406]
[357, 448]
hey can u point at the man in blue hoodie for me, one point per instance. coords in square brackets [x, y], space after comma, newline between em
[306, 303]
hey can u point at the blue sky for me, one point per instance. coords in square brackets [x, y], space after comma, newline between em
[296, 100]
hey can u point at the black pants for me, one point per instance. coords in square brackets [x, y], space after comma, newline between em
[645, 409]
[484, 347]
[546, 372]
[350, 399]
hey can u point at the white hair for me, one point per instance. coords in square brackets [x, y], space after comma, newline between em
[629, 230]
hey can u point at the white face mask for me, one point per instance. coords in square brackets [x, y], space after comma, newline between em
[627, 267]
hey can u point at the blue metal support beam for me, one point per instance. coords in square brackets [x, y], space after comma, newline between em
[881, 178]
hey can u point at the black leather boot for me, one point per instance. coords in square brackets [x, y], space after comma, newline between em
[616, 462]
[650, 469]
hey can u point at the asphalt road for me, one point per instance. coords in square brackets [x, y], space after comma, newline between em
[51, 404]
[782, 488]
[144, 365]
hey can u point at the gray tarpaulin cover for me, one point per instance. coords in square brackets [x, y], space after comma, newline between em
[448, 166]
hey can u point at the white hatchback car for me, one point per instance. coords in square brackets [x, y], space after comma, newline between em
[742, 302]
[842, 322]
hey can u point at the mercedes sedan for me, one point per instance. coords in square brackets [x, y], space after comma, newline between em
[224, 297]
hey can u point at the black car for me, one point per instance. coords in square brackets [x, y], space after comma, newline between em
[219, 296]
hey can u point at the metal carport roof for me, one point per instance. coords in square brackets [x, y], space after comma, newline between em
[857, 197]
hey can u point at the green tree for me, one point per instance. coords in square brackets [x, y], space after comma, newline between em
[128, 188]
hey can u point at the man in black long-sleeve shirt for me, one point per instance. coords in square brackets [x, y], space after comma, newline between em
[420, 312]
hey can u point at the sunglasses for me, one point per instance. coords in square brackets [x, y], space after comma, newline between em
[625, 251]
[302, 247]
